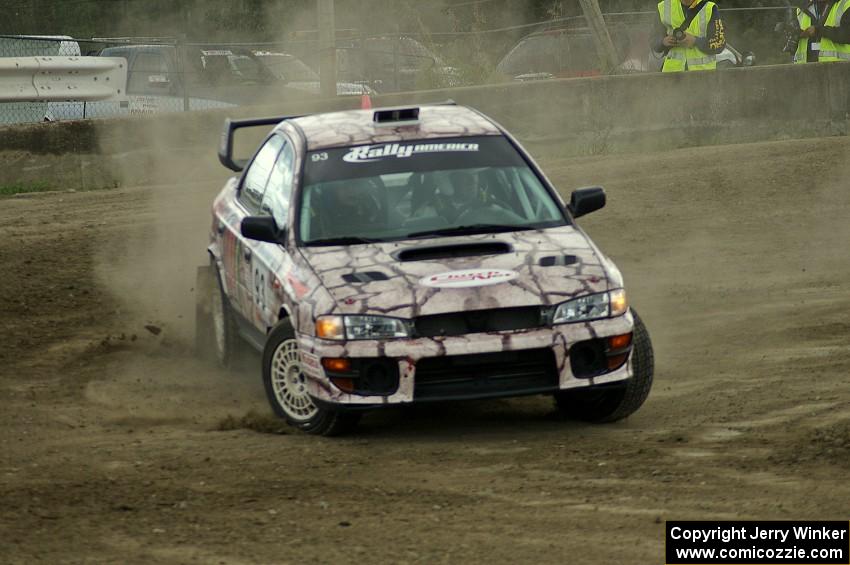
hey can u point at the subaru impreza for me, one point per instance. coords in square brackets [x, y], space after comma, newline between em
[406, 255]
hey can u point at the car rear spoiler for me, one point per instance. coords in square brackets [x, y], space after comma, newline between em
[225, 149]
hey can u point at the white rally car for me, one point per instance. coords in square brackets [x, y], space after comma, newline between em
[384, 257]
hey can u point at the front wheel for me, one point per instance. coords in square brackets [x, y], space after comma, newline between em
[610, 403]
[215, 329]
[286, 388]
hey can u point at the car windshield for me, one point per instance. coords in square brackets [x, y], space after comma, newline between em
[247, 68]
[421, 189]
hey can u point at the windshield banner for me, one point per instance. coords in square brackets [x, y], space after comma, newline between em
[417, 156]
[370, 153]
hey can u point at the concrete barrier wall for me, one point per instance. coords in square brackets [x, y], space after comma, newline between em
[661, 111]
[569, 117]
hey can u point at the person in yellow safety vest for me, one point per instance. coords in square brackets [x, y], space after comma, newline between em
[825, 32]
[689, 35]
[808, 45]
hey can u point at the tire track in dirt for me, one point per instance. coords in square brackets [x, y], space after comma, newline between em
[110, 450]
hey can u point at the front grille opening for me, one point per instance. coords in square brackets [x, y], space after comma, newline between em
[379, 378]
[595, 357]
[486, 375]
[368, 377]
[478, 321]
[587, 358]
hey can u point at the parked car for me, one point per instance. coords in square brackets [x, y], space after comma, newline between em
[569, 53]
[211, 78]
[409, 255]
[155, 84]
[296, 74]
[385, 64]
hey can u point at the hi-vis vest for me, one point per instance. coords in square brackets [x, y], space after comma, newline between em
[805, 22]
[829, 50]
[687, 58]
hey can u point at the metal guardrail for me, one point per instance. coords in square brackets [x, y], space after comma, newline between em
[60, 79]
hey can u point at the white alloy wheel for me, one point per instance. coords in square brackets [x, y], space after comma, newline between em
[288, 383]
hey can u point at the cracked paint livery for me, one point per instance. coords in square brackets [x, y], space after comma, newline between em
[267, 282]
[356, 127]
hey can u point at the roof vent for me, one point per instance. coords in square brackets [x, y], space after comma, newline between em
[397, 116]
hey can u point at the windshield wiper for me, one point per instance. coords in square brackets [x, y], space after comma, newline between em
[469, 230]
[348, 240]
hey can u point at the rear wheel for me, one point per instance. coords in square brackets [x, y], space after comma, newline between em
[614, 402]
[286, 388]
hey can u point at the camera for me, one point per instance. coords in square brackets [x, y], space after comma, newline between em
[678, 34]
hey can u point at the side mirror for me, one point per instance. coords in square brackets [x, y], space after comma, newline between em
[586, 200]
[262, 228]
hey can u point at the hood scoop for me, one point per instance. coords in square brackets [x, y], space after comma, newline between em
[365, 277]
[435, 252]
[558, 260]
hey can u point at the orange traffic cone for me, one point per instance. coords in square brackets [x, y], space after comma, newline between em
[365, 102]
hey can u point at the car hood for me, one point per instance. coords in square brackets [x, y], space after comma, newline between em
[434, 276]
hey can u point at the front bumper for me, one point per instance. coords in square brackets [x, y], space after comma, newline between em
[408, 352]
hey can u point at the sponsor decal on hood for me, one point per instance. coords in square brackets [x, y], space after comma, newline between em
[469, 278]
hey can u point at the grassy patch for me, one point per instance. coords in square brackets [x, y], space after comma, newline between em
[24, 188]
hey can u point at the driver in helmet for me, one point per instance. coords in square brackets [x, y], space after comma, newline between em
[350, 208]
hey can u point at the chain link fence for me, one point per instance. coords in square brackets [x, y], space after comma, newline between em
[172, 75]
[168, 75]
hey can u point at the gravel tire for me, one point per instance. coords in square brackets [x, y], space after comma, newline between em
[216, 338]
[612, 403]
[285, 391]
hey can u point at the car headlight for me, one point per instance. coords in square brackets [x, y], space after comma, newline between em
[361, 327]
[592, 307]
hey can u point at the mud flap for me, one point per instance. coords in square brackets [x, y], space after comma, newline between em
[204, 333]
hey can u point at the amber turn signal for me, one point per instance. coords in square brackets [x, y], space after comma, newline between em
[335, 365]
[617, 361]
[619, 342]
